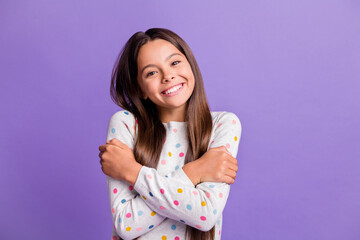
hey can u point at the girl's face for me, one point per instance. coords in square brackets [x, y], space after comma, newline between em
[165, 76]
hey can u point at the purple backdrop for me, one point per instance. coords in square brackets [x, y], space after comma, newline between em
[288, 69]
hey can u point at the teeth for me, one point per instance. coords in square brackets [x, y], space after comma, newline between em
[173, 89]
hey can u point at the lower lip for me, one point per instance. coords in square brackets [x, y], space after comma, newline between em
[174, 93]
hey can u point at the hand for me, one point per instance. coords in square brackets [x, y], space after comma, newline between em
[118, 161]
[216, 165]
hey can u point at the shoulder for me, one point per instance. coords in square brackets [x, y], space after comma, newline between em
[227, 118]
[123, 118]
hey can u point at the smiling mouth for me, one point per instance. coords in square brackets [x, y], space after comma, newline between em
[174, 90]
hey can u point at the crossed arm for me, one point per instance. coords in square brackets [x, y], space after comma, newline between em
[194, 195]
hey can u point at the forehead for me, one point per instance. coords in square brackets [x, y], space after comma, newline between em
[155, 51]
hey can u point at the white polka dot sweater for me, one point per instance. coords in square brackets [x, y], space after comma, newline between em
[164, 200]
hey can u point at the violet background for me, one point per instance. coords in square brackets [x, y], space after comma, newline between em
[289, 69]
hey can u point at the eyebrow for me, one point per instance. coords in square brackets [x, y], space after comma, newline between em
[166, 59]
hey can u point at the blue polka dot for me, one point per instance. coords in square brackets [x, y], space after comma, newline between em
[215, 211]
[167, 176]
[178, 145]
[173, 227]
[151, 194]
[212, 186]
[182, 221]
[177, 167]
[120, 220]
[189, 207]
[140, 213]
[151, 226]
[127, 113]
[218, 222]
[113, 130]
[122, 201]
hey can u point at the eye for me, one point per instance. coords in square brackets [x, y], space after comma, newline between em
[150, 73]
[175, 63]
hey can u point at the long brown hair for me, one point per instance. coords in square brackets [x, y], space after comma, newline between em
[125, 92]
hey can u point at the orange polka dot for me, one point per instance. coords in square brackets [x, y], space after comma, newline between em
[179, 190]
[203, 203]
[169, 154]
[235, 138]
[128, 228]
[153, 213]
[144, 197]
[163, 237]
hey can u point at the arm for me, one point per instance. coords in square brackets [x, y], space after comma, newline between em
[131, 216]
[177, 198]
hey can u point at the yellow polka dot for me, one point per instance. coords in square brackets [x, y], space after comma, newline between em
[163, 238]
[128, 228]
[144, 197]
[203, 203]
[153, 213]
[235, 138]
[180, 190]
[169, 154]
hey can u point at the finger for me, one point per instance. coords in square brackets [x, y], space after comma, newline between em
[229, 180]
[230, 173]
[102, 148]
[117, 142]
[231, 159]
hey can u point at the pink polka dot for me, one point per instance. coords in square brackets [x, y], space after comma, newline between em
[131, 188]
[176, 238]
[219, 124]
[149, 176]
[208, 194]
[162, 207]
[203, 218]
[228, 145]
[176, 202]
[198, 226]
[139, 229]
[137, 121]
[233, 122]
[175, 130]
[114, 238]
[181, 154]
[128, 215]
[115, 190]
[195, 192]
[162, 191]
[163, 162]
[219, 232]
[212, 142]
[113, 210]
[220, 195]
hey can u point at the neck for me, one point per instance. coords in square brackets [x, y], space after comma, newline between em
[177, 114]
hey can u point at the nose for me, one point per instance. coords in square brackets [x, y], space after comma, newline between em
[168, 76]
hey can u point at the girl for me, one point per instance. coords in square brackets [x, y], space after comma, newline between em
[168, 159]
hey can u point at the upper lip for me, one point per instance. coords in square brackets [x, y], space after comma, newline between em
[172, 87]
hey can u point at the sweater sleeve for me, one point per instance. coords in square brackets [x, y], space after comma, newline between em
[130, 215]
[177, 198]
